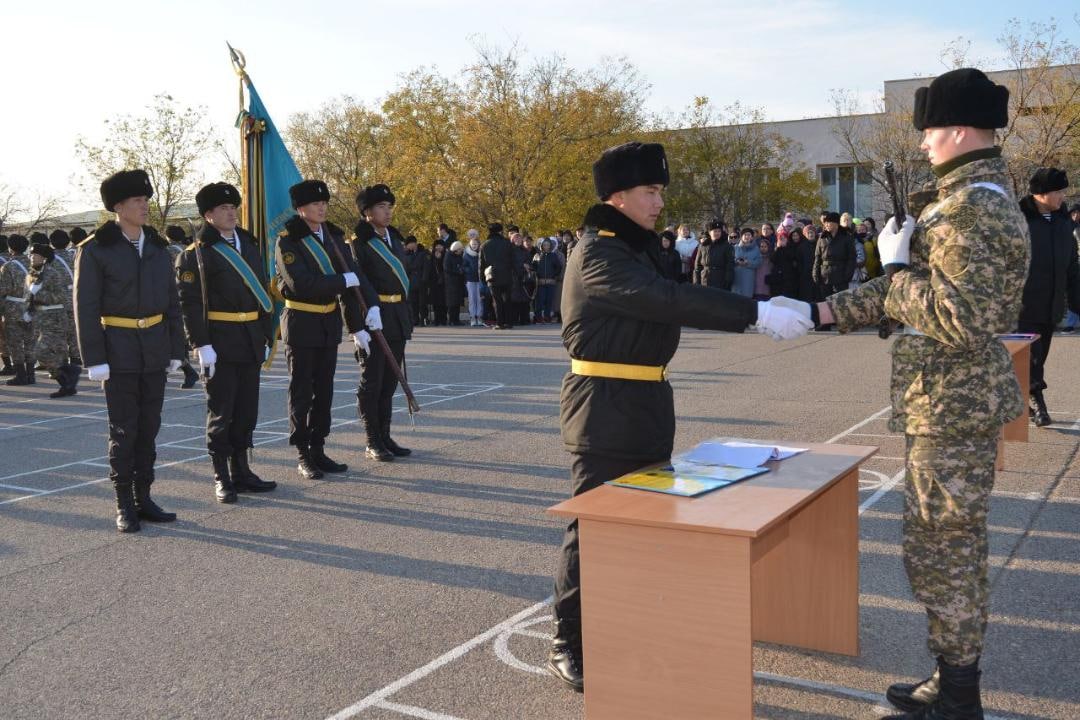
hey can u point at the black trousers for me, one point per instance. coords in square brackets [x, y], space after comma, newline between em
[587, 471]
[232, 407]
[378, 383]
[134, 406]
[311, 392]
[500, 298]
[418, 302]
[1040, 350]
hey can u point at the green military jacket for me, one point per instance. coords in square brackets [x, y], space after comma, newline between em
[951, 377]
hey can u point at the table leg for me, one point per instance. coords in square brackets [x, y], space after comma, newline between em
[666, 623]
[806, 574]
[1017, 430]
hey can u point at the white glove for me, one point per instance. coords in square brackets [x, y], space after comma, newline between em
[803, 308]
[351, 280]
[373, 319]
[267, 356]
[174, 365]
[894, 246]
[362, 341]
[26, 317]
[207, 359]
[781, 323]
[34, 288]
[98, 372]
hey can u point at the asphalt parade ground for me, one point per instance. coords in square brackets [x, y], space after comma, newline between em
[420, 588]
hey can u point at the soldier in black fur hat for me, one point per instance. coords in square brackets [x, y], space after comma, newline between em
[1053, 281]
[379, 251]
[127, 314]
[621, 325]
[316, 287]
[232, 334]
[13, 308]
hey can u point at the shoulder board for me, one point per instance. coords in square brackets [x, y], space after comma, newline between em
[190, 247]
[605, 233]
[89, 237]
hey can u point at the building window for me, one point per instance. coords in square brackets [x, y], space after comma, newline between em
[847, 188]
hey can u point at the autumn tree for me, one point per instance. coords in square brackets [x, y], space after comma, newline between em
[26, 210]
[170, 141]
[727, 165]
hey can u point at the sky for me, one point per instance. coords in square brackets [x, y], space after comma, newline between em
[68, 64]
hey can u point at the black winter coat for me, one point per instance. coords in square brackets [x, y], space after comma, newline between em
[618, 308]
[804, 252]
[714, 264]
[238, 342]
[670, 264]
[784, 279]
[437, 286]
[497, 254]
[454, 269]
[396, 316]
[1053, 281]
[112, 279]
[835, 259]
[300, 278]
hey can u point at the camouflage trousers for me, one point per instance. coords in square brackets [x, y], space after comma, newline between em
[3, 340]
[17, 338]
[51, 339]
[948, 485]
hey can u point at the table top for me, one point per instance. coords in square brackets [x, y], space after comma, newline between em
[748, 508]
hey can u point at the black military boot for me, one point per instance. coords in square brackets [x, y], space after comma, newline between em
[8, 368]
[1042, 417]
[324, 463]
[958, 695]
[392, 446]
[908, 697]
[224, 490]
[31, 378]
[564, 659]
[376, 448]
[190, 376]
[305, 465]
[68, 377]
[243, 478]
[20, 375]
[127, 518]
[144, 504]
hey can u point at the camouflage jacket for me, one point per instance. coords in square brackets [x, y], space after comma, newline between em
[12, 284]
[55, 285]
[969, 259]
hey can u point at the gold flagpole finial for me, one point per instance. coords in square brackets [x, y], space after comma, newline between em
[239, 62]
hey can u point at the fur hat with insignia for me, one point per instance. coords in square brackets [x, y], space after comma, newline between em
[175, 233]
[628, 165]
[961, 97]
[125, 184]
[714, 224]
[214, 194]
[39, 238]
[372, 195]
[18, 244]
[45, 250]
[1047, 180]
[77, 235]
[308, 191]
[59, 239]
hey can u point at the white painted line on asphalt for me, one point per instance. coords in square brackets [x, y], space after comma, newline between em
[877, 435]
[861, 423]
[415, 711]
[95, 413]
[881, 492]
[19, 488]
[202, 455]
[380, 695]
[886, 457]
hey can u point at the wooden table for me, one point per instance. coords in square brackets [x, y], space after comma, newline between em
[1017, 430]
[675, 590]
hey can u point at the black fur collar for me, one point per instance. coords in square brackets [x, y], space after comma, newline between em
[110, 233]
[296, 229]
[1031, 211]
[365, 231]
[604, 217]
[208, 234]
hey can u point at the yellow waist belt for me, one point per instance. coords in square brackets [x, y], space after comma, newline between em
[618, 371]
[133, 323]
[311, 307]
[390, 298]
[233, 316]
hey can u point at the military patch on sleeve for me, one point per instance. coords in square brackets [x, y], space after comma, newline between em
[955, 260]
[963, 217]
[288, 258]
[187, 277]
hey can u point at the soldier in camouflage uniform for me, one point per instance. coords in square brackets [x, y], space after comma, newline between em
[65, 260]
[14, 310]
[48, 294]
[960, 272]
